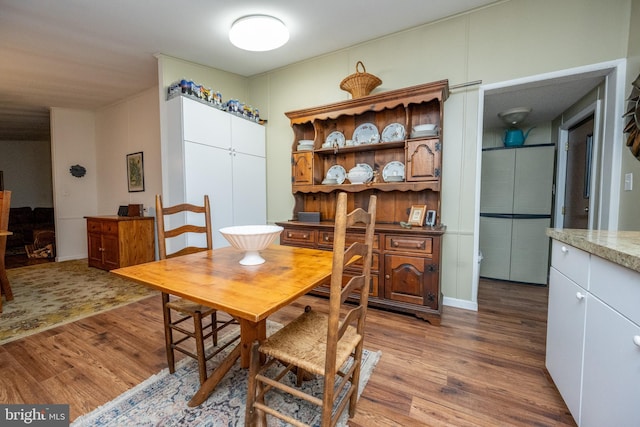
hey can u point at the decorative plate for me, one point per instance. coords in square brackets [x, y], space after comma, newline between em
[393, 132]
[337, 172]
[335, 139]
[366, 133]
[393, 172]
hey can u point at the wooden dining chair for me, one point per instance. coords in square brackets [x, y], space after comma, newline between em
[319, 343]
[5, 205]
[202, 328]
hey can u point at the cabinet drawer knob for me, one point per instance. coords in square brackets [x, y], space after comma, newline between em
[564, 249]
[579, 295]
[636, 340]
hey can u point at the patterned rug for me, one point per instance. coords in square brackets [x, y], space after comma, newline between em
[162, 399]
[51, 294]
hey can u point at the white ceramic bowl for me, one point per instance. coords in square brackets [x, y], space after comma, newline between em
[358, 178]
[251, 239]
[305, 142]
[420, 128]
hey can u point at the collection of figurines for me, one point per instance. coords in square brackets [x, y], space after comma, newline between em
[205, 94]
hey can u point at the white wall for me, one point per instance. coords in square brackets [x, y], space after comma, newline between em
[26, 167]
[629, 218]
[73, 142]
[126, 127]
[509, 40]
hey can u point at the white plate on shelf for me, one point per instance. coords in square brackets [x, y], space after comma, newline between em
[336, 172]
[393, 172]
[335, 139]
[366, 133]
[393, 132]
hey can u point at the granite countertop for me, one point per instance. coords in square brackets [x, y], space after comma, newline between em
[621, 247]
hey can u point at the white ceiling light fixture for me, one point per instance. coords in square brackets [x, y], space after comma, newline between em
[514, 116]
[258, 33]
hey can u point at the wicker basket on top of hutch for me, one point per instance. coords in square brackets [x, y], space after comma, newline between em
[406, 263]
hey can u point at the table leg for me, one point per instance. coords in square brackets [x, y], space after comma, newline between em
[210, 384]
[249, 332]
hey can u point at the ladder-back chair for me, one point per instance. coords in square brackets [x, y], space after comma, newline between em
[186, 309]
[318, 343]
[5, 205]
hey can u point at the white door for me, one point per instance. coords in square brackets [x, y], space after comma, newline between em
[533, 180]
[495, 245]
[496, 193]
[565, 338]
[208, 171]
[529, 250]
[249, 190]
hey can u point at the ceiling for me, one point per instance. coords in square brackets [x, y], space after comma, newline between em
[89, 54]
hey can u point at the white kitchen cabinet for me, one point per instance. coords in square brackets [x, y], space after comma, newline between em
[565, 340]
[593, 337]
[215, 153]
[611, 371]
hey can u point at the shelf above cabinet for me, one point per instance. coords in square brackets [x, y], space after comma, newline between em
[379, 186]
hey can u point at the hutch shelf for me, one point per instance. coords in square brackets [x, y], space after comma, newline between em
[406, 264]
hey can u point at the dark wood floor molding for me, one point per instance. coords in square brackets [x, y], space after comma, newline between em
[482, 368]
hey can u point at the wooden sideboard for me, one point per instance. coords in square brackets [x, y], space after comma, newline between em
[120, 241]
[406, 263]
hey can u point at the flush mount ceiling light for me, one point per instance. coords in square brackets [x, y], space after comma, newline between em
[514, 116]
[258, 33]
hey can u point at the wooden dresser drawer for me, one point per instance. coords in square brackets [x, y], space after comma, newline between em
[326, 239]
[423, 245]
[298, 236]
[94, 226]
[110, 227]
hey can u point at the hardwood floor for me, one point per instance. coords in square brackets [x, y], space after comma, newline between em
[482, 368]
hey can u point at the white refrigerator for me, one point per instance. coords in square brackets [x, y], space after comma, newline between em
[515, 211]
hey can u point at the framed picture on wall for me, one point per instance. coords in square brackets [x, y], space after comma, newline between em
[135, 172]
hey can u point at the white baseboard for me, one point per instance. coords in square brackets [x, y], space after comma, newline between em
[460, 303]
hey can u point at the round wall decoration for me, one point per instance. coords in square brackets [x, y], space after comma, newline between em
[632, 127]
[77, 171]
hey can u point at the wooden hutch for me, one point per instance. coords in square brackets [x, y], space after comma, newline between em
[406, 263]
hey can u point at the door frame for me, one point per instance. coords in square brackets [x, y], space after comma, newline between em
[561, 166]
[612, 147]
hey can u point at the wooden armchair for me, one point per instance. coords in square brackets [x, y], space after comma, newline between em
[318, 343]
[187, 309]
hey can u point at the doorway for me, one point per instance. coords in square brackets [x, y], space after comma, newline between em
[606, 158]
[577, 191]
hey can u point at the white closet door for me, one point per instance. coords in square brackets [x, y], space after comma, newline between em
[249, 189]
[208, 171]
[529, 251]
[533, 180]
[495, 245]
[205, 124]
[248, 137]
[497, 181]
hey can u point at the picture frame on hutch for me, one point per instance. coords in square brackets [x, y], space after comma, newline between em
[416, 216]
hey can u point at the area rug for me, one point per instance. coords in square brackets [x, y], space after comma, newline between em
[51, 294]
[162, 399]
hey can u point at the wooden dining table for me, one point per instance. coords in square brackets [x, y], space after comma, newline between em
[215, 278]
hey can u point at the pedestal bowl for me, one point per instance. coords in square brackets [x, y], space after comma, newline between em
[251, 239]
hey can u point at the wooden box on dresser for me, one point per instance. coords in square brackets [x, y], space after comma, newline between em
[119, 241]
[406, 261]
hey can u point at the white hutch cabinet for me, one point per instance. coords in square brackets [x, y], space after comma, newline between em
[216, 153]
